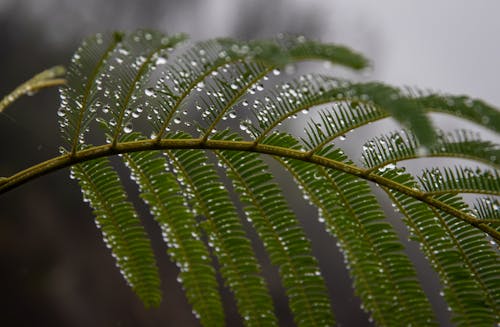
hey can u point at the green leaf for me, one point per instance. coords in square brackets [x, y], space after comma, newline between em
[465, 107]
[398, 146]
[383, 276]
[121, 228]
[79, 96]
[225, 233]
[444, 250]
[161, 191]
[462, 180]
[282, 235]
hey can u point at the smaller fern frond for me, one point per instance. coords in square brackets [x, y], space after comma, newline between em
[313, 90]
[213, 58]
[48, 78]
[403, 145]
[226, 235]
[487, 208]
[462, 180]
[462, 293]
[336, 121]
[282, 235]
[464, 107]
[226, 90]
[476, 251]
[289, 48]
[138, 55]
[79, 96]
[121, 228]
[161, 191]
[382, 274]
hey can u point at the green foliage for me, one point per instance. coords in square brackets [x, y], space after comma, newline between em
[181, 114]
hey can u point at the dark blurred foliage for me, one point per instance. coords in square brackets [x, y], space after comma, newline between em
[55, 269]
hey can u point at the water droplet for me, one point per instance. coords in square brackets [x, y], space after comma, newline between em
[149, 91]
[128, 128]
[177, 120]
[161, 61]
[276, 72]
[234, 86]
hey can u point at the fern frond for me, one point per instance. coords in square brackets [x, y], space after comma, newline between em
[427, 222]
[383, 276]
[336, 121]
[313, 90]
[476, 251]
[439, 244]
[214, 57]
[161, 191]
[462, 180]
[280, 231]
[138, 55]
[398, 146]
[226, 235]
[121, 228]
[488, 208]
[79, 100]
[477, 254]
[288, 48]
[464, 107]
[130, 85]
[225, 91]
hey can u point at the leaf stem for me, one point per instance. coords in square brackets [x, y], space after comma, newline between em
[67, 160]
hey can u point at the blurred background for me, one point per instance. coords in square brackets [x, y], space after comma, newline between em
[54, 267]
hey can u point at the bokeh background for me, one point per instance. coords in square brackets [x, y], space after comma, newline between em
[54, 268]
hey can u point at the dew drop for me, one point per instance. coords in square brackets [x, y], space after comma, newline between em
[161, 61]
[128, 128]
[177, 120]
[149, 91]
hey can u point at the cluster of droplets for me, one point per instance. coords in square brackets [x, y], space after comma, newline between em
[386, 149]
[432, 179]
[110, 238]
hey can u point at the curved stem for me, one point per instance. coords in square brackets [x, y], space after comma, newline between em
[66, 160]
[47, 78]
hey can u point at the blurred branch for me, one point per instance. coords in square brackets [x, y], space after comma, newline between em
[48, 78]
